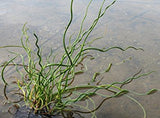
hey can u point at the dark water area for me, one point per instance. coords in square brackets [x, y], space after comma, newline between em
[126, 23]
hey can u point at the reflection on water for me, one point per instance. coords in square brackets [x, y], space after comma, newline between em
[128, 22]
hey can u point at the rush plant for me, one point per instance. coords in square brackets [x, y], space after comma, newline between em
[46, 86]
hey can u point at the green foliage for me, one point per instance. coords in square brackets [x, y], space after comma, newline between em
[46, 86]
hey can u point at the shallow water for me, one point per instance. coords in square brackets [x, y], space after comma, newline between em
[127, 22]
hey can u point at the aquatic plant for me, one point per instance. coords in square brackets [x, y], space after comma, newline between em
[46, 86]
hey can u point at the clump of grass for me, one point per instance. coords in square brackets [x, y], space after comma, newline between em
[46, 85]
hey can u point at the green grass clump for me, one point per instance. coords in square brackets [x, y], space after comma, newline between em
[46, 86]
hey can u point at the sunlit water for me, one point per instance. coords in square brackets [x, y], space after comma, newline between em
[127, 22]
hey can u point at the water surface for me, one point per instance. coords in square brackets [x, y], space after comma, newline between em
[127, 22]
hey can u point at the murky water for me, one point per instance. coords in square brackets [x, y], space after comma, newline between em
[127, 22]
